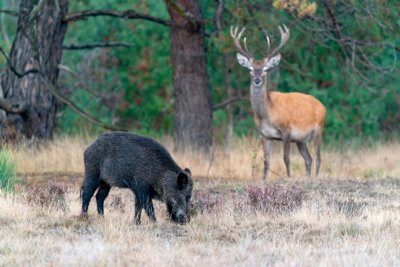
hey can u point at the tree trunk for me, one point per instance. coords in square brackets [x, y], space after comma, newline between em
[193, 114]
[36, 112]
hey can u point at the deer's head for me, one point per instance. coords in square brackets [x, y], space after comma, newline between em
[258, 68]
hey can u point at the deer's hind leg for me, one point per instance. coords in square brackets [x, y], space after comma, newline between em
[317, 151]
[302, 146]
[286, 152]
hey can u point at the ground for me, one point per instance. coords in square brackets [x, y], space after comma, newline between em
[349, 216]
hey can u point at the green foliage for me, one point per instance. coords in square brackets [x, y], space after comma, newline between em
[140, 77]
[136, 83]
[7, 174]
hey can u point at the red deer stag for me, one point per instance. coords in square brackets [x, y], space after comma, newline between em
[289, 117]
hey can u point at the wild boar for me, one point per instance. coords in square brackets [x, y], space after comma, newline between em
[141, 164]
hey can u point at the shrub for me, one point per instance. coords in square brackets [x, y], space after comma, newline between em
[7, 174]
[50, 196]
[350, 207]
[274, 197]
[117, 204]
[204, 201]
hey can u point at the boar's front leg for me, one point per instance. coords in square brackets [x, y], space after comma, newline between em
[138, 209]
[150, 209]
[143, 200]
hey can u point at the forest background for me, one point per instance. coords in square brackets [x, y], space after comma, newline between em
[342, 52]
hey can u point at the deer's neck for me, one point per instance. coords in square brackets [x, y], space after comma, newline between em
[260, 100]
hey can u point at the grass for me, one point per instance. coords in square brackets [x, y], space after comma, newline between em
[349, 216]
[244, 161]
[7, 175]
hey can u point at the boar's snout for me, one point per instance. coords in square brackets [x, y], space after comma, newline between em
[178, 194]
[180, 218]
[179, 215]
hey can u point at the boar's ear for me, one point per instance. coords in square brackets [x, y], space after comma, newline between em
[182, 180]
[188, 171]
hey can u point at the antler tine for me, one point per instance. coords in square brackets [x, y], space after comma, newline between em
[285, 31]
[285, 34]
[233, 31]
[241, 32]
[268, 40]
[236, 35]
[286, 28]
[245, 44]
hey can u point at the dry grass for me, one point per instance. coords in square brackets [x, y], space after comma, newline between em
[243, 161]
[347, 217]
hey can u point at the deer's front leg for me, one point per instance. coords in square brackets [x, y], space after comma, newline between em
[286, 152]
[267, 147]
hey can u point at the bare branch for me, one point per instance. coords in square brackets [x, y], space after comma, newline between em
[53, 90]
[4, 30]
[12, 68]
[250, 9]
[218, 14]
[127, 14]
[38, 7]
[336, 27]
[9, 12]
[96, 45]
[81, 81]
[75, 108]
[227, 102]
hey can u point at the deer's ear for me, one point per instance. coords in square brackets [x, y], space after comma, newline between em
[244, 61]
[272, 62]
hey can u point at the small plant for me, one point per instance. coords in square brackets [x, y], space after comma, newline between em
[350, 207]
[274, 197]
[350, 230]
[7, 173]
[51, 196]
[204, 201]
[117, 204]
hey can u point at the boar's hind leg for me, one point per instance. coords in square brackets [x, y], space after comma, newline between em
[101, 195]
[89, 187]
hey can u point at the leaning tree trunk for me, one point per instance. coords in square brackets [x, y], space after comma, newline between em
[193, 114]
[30, 109]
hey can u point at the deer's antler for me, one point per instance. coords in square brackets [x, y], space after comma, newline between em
[236, 35]
[285, 34]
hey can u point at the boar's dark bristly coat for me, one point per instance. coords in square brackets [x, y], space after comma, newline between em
[141, 164]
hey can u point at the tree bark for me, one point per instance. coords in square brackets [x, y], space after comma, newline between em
[38, 38]
[193, 114]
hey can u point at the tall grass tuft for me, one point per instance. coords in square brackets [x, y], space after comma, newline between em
[7, 171]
